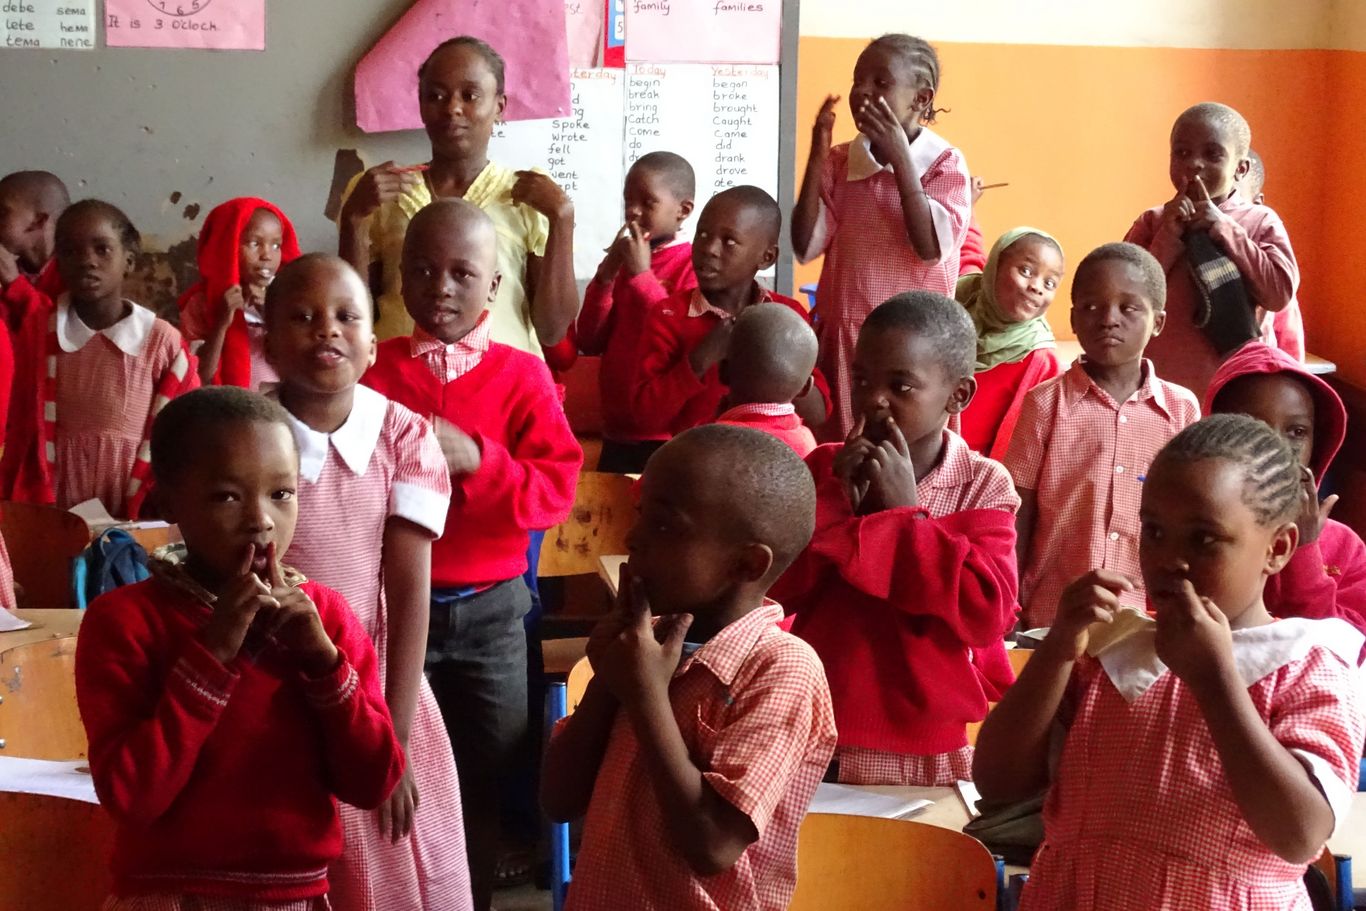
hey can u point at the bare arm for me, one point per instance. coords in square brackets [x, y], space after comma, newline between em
[808, 208]
[407, 593]
[887, 133]
[574, 755]
[550, 286]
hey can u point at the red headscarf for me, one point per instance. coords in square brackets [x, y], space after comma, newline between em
[219, 255]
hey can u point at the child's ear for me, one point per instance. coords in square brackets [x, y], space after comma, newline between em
[1243, 167]
[40, 221]
[129, 261]
[753, 563]
[493, 288]
[684, 210]
[769, 258]
[962, 394]
[502, 107]
[924, 102]
[374, 350]
[1159, 322]
[1282, 548]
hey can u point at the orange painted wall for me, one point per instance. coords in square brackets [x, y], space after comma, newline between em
[1081, 133]
[1338, 305]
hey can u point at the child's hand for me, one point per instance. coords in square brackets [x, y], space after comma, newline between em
[640, 660]
[234, 610]
[1178, 210]
[636, 249]
[1313, 514]
[381, 184]
[461, 451]
[9, 267]
[295, 626]
[890, 473]
[712, 349]
[823, 133]
[1093, 598]
[616, 255]
[542, 193]
[879, 124]
[396, 813]
[1193, 635]
[849, 462]
[233, 301]
[978, 188]
[1204, 213]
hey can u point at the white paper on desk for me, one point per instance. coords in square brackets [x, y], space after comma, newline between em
[849, 800]
[98, 518]
[10, 622]
[967, 792]
[69, 779]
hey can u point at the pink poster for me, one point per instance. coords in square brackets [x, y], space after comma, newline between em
[583, 21]
[703, 31]
[530, 35]
[225, 25]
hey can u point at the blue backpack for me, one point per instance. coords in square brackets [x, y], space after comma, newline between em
[112, 560]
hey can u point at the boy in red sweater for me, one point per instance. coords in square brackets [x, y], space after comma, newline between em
[647, 263]
[229, 703]
[30, 202]
[513, 462]
[676, 384]
[908, 587]
[768, 366]
[699, 743]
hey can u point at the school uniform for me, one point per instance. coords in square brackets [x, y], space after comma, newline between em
[28, 293]
[989, 421]
[1284, 329]
[908, 609]
[1085, 457]
[778, 419]
[753, 707]
[383, 463]
[1140, 813]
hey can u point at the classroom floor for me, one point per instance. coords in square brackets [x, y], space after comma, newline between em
[522, 898]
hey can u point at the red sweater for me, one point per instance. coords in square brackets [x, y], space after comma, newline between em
[667, 397]
[787, 427]
[894, 603]
[24, 295]
[611, 322]
[530, 465]
[224, 779]
[989, 420]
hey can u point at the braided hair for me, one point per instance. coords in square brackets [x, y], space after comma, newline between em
[122, 225]
[922, 59]
[1272, 486]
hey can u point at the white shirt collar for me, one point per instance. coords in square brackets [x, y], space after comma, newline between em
[925, 151]
[1132, 664]
[354, 441]
[129, 334]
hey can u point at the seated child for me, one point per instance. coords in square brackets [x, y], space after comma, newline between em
[30, 204]
[513, 464]
[243, 243]
[1085, 439]
[1283, 329]
[676, 385]
[81, 434]
[908, 587]
[373, 494]
[768, 365]
[229, 703]
[1209, 229]
[1327, 575]
[1207, 756]
[699, 742]
[1008, 303]
[646, 264]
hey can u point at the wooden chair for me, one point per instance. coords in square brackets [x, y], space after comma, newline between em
[38, 714]
[604, 508]
[56, 853]
[864, 863]
[42, 541]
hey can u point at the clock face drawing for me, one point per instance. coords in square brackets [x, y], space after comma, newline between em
[178, 7]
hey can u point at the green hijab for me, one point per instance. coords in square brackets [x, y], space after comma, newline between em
[998, 340]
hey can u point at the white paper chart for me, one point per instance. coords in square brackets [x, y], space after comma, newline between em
[68, 24]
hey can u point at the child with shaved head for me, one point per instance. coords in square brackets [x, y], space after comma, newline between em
[30, 202]
[769, 365]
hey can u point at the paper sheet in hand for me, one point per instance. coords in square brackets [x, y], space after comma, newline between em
[69, 779]
[883, 802]
[1128, 620]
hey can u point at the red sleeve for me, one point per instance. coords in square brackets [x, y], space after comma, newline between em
[595, 316]
[20, 298]
[1147, 233]
[1323, 579]
[973, 256]
[664, 380]
[1266, 260]
[537, 474]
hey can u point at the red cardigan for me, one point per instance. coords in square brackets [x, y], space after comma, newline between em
[530, 466]
[611, 322]
[989, 420]
[224, 779]
[893, 603]
[24, 295]
[788, 428]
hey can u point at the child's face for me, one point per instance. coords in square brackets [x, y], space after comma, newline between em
[239, 492]
[1196, 525]
[731, 246]
[653, 204]
[898, 373]
[1277, 399]
[450, 277]
[91, 258]
[1027, 278]
[1111, 313]
[320, 338]
[18, 221]
[879, 73]
[459, 103]
[258, 257]
[1204, 149]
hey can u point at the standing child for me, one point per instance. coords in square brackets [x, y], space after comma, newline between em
[92, 372]
[908, 587]
[889, 210]
[1283, 329]
[373, 494]
[646, 264]
[1008, 303]
[513, 464]
[30, 204]
[768, 366]
[1208, 756]
[243, 243]
[1224, 257]
[699, 742]
[229, 702]
[1327, 575]
[1085, 439]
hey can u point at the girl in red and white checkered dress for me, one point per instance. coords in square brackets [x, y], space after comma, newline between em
[373, 495]
[1209, 755]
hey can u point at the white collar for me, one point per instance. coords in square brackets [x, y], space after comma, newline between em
[1132, 664]
[925, 151]
[129, 334]
[354, 440]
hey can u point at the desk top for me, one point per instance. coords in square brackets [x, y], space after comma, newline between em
[47, 624]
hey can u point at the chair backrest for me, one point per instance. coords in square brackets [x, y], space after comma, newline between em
[577, 684]
[38, 714]
[56, 853]
[871, 864]
[42, 541]
[604, 508]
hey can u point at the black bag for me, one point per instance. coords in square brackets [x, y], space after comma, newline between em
[1012, 830]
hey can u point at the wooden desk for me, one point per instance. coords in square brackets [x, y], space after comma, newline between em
[47, 624]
